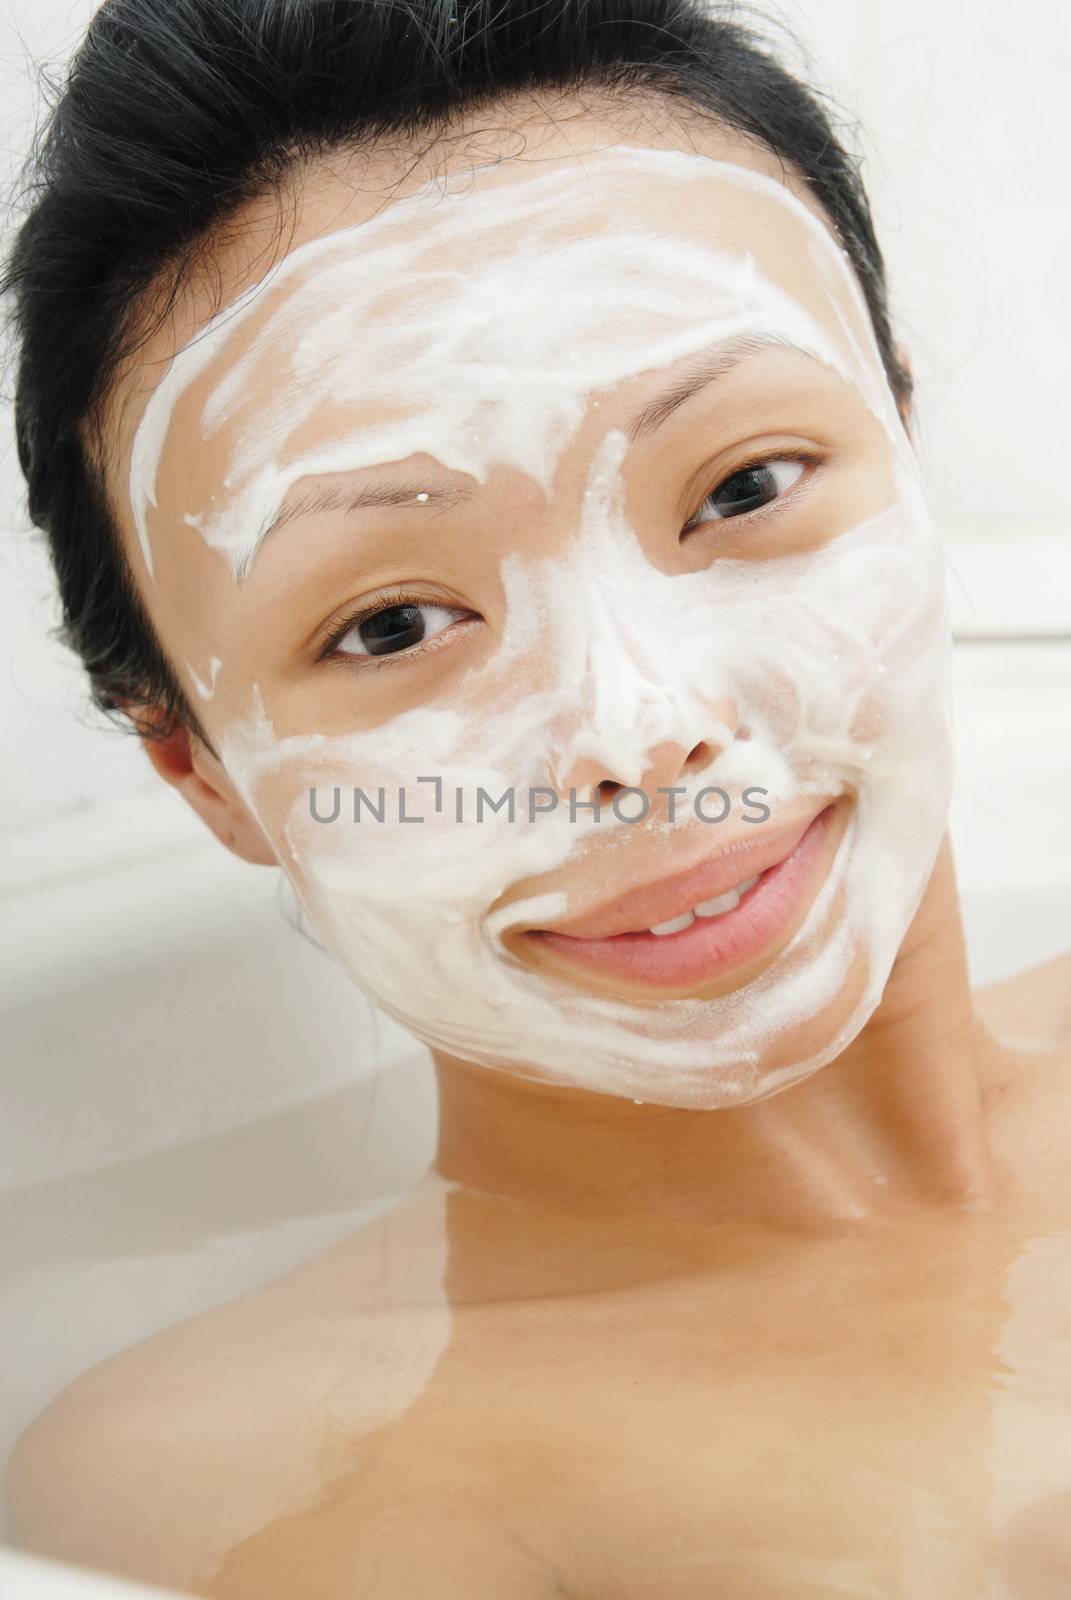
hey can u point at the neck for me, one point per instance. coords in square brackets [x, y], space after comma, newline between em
[898, 1121]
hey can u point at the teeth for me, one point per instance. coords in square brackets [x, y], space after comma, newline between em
[706, 908]
[685, 920]
[715, 907]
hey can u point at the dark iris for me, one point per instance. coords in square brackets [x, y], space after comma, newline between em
[395, 628]
[751, 486]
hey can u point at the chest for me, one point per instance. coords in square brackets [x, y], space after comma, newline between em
[904, 1445]
[850, 1436]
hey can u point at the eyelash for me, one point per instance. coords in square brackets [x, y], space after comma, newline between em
[786, 453]
[385, 602]
[412, 597]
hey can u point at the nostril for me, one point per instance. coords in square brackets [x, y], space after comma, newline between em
[605, 791]
[701, 755]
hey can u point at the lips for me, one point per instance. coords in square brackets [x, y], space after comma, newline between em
[715, 876]
[704, 948]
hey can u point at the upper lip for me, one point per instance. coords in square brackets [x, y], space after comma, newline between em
[648, 904]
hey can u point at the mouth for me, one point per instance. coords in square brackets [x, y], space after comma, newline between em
[698, 926]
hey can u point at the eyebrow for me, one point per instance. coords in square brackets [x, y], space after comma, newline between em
[705, 369]
[318, 497]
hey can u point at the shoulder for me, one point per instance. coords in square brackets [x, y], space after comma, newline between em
[1033, 1008]
[1030, 1017]
[204, 1464]
[158, 1461]
[141, 1466]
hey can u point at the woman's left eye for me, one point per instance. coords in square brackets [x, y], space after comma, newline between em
[749, 488]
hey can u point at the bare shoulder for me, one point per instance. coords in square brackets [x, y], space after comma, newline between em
[158, 1461]
[1033, 1007]
[1030, 1015]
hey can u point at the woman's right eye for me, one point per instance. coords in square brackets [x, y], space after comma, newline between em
[385, 630]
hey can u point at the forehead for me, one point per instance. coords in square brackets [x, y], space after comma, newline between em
[383, 298]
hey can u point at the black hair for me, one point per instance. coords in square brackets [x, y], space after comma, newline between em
[175, 113]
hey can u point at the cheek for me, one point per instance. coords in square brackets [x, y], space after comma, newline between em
[405, 822]
[898, 640]
[848, 648]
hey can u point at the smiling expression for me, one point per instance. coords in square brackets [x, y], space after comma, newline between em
[615, 434]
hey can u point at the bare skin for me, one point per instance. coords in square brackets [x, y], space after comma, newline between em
[812, 1346]
[621, 1406]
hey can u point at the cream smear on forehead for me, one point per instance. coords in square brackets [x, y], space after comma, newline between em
[494, 361]
[836, 660]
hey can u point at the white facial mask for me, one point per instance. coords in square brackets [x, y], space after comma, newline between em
[836, 660]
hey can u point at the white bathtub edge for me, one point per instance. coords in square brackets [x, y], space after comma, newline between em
[34, 1578]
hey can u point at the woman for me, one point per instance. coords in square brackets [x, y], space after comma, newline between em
[477, 461]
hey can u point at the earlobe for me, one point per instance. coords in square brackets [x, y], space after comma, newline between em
[183, 762]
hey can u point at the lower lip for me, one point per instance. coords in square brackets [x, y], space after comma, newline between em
[709, 946]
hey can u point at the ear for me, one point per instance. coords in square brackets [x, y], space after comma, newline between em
[183, 761]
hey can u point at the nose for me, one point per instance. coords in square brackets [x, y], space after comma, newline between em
[665, 763]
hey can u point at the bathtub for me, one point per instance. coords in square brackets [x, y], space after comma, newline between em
[196, 1099]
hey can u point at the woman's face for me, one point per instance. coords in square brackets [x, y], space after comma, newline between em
[414, 516]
